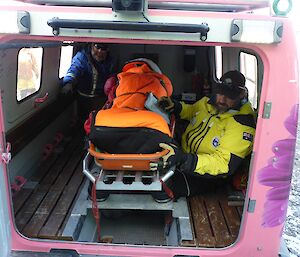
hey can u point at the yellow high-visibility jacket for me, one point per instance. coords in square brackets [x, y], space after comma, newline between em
[221, 141]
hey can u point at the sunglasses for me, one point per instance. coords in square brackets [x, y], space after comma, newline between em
[99, 46]
[229, 90]
[230, 86]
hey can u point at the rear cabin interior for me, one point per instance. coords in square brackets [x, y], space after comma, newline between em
[48, 186]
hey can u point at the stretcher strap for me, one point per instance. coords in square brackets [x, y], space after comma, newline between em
[96, 210]
[167, 190]
[172, 124]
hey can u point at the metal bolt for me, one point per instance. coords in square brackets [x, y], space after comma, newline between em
[203, 37]
[259, 248]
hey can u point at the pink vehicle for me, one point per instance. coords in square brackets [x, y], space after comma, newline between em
[45, 209]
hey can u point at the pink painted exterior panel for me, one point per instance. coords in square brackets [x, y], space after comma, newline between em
[260, 232]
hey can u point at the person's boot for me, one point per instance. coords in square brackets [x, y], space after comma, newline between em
[161, 196]
[101, 196]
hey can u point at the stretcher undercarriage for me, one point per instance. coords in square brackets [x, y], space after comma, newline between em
[131, 203]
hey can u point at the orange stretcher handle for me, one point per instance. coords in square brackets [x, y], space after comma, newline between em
[150, 156]
[125, 161]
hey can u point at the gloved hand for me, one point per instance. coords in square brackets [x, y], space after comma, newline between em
[166, 104]
[67, 89]
[169, 105]
[185, 162]
[174, 157]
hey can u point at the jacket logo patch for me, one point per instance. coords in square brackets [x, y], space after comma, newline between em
[215, 142]
[193, 121]
[247, 136]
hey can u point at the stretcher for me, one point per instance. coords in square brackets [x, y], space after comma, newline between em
[126, 184]
[132, 162]
[125, 172]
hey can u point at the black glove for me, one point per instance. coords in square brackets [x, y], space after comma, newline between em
[174, 157]
[169, 105]
[186, 162]
[67, 89]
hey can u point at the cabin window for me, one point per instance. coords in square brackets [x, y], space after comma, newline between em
[248, 66]
[65, 60]
[29, 72]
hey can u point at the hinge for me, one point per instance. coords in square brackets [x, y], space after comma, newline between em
[251, 205]
[267, 110]
[6, 154]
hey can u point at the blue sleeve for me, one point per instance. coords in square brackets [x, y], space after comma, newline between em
[78, 67]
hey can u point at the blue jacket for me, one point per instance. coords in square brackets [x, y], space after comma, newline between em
[87, 75]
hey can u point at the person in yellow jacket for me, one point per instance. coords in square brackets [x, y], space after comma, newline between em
[217, 140]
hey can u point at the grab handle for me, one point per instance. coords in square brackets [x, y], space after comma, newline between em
[40, 100]
[167, 176]
[86, 171]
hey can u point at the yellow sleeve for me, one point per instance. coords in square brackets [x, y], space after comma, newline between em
[188, 110]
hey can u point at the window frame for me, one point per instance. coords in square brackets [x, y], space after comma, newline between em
[41, 75]
[60, 75]
[255, 103]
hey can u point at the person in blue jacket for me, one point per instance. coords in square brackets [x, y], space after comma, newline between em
[89, 70]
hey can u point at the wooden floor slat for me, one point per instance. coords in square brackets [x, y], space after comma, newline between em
[52, 226]
[25, 214]
[232, 218]
[21, 197]
[44, 210]
[217, 221]
[203, 232]
[216, 224]
[45, 166]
